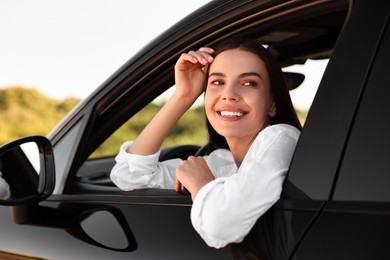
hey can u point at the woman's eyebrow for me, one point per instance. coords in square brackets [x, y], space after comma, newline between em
[246, 74]
[217, 74]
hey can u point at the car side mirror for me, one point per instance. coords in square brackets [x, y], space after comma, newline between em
[27, 172]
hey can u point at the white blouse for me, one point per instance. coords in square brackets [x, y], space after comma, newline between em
[4, 189]
[224, 210]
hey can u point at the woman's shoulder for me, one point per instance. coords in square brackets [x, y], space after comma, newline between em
[277, 137]
[277, 133]
[282, 129]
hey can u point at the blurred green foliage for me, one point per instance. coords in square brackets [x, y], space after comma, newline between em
[190, 129]
[25, 112]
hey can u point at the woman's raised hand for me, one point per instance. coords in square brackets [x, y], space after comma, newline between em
[190, 72]
[190, 76]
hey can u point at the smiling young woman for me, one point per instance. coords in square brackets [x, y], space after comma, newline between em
[253, 132]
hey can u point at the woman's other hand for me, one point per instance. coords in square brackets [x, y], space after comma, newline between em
[193, 174]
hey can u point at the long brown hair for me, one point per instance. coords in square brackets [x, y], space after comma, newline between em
[285, 113]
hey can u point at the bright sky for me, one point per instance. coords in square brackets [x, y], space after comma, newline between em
[67, 48]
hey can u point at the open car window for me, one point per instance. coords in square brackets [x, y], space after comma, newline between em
[190, 130]
[302, 97]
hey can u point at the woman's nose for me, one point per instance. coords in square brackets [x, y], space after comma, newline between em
[230, 93]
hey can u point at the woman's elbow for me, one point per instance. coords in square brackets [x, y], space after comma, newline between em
[220, 229]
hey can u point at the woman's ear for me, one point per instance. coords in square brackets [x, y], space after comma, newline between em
[272, 111]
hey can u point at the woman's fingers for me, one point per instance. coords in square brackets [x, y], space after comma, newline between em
[177, 186]
[207, 49]
[203, 56]
[193, 174]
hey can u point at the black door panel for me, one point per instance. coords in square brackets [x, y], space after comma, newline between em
[348, 230]
[160, 231]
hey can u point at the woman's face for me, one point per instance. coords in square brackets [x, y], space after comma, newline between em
[238, 98]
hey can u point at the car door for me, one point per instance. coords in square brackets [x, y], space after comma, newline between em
[354, 219]
[95, 220]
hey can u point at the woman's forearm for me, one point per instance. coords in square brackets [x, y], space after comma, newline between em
[150, 139]
[189, 78]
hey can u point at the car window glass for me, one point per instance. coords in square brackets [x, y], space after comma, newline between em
[191, 128]
[364, 173]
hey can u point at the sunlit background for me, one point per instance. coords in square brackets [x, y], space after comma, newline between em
[69, 47]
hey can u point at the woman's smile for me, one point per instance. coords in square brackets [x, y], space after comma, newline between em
[230, 113]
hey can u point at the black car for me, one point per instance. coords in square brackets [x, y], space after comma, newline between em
[336, 198]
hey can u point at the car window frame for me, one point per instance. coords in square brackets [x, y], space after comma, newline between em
[319, 151]
[352, 183]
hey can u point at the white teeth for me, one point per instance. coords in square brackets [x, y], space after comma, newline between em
[231, 114]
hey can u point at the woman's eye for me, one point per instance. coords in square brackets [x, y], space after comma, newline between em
[216, 82]
[250, 84]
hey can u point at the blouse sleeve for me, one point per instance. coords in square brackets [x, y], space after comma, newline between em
[4, 189]
[133, 171]
[225, 210]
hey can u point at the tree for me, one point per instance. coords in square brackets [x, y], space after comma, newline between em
[25, 111]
